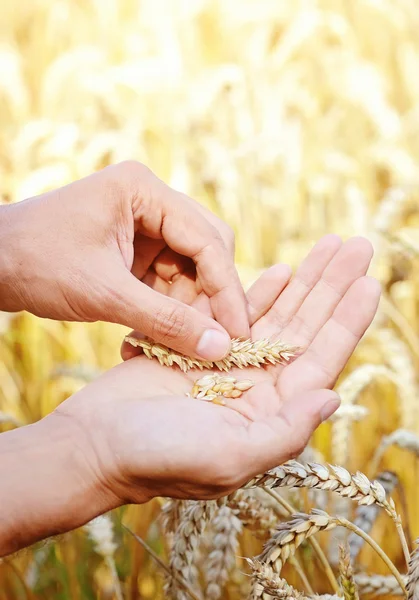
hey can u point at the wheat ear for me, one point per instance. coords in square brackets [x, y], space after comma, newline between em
[192, 524]
[379, 585]
[347, 581]
[334, 479]
[222, 558]
[243, 353]
[403, 438]
[252, 513]
[412, 585]
[100, 531]
[290, 535]
[349, 391]
[266, 581]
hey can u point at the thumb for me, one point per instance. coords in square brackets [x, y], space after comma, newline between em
[284, 436]
[168, 321]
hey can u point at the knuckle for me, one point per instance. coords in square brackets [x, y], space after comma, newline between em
[170, 322]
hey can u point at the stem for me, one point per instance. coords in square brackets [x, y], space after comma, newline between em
[29, 594]
[374, 545]
[159, 561]
[116, 583]
[300, 571]
[314, 543]
[403, 540]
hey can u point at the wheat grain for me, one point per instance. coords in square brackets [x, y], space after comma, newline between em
[222, 558]
[347, 581]
[252, 512]
[412, 585]
[215, 387]
[192, 524]
[379, 585]
[243, 353]
[266, 581]
[365, 516]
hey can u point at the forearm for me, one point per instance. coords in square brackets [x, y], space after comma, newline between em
[49, 484]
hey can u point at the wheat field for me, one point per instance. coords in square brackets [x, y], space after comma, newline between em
[289, 119]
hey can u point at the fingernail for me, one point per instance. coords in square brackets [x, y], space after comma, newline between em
[329, 408]
[213, 345]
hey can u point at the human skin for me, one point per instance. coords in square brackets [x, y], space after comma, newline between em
[122, 246]
[133, 434]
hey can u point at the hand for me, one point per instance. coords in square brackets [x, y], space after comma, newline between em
[151, 440]
[121, 246]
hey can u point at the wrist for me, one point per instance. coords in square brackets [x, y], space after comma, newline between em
[52, 482]
[10, 264]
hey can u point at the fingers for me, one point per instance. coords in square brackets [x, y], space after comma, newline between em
[263, 293]
[327, 355]
[284, 436]
[306, 277]
[347, 265]
[165, 319]
[160, 211]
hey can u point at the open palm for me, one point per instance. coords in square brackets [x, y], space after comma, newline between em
[167, 444]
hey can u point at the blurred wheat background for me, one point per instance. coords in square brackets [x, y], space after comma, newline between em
[290, 119]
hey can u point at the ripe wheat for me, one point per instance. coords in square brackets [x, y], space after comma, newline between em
[243, 353]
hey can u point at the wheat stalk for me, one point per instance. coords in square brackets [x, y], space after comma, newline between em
[412, 585]
[347, 581]
[379, 585]
[222, 558]
[192, 524]
[243, 353]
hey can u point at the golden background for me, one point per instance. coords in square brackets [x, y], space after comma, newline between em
[290, 119]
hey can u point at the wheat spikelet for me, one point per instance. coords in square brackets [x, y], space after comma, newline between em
[365, 516]
[252, 513]
[243, 353]
[170, 516]
[266, 581]
[412, 585]
[192, 524]
[347, 581]
[222, 558]
[330, 478]
[379, 585]
[291, 534]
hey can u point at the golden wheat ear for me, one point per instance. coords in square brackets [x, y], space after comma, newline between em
[243, 353]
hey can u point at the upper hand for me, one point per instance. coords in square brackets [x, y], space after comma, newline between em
[121, 246]
[151, 440]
